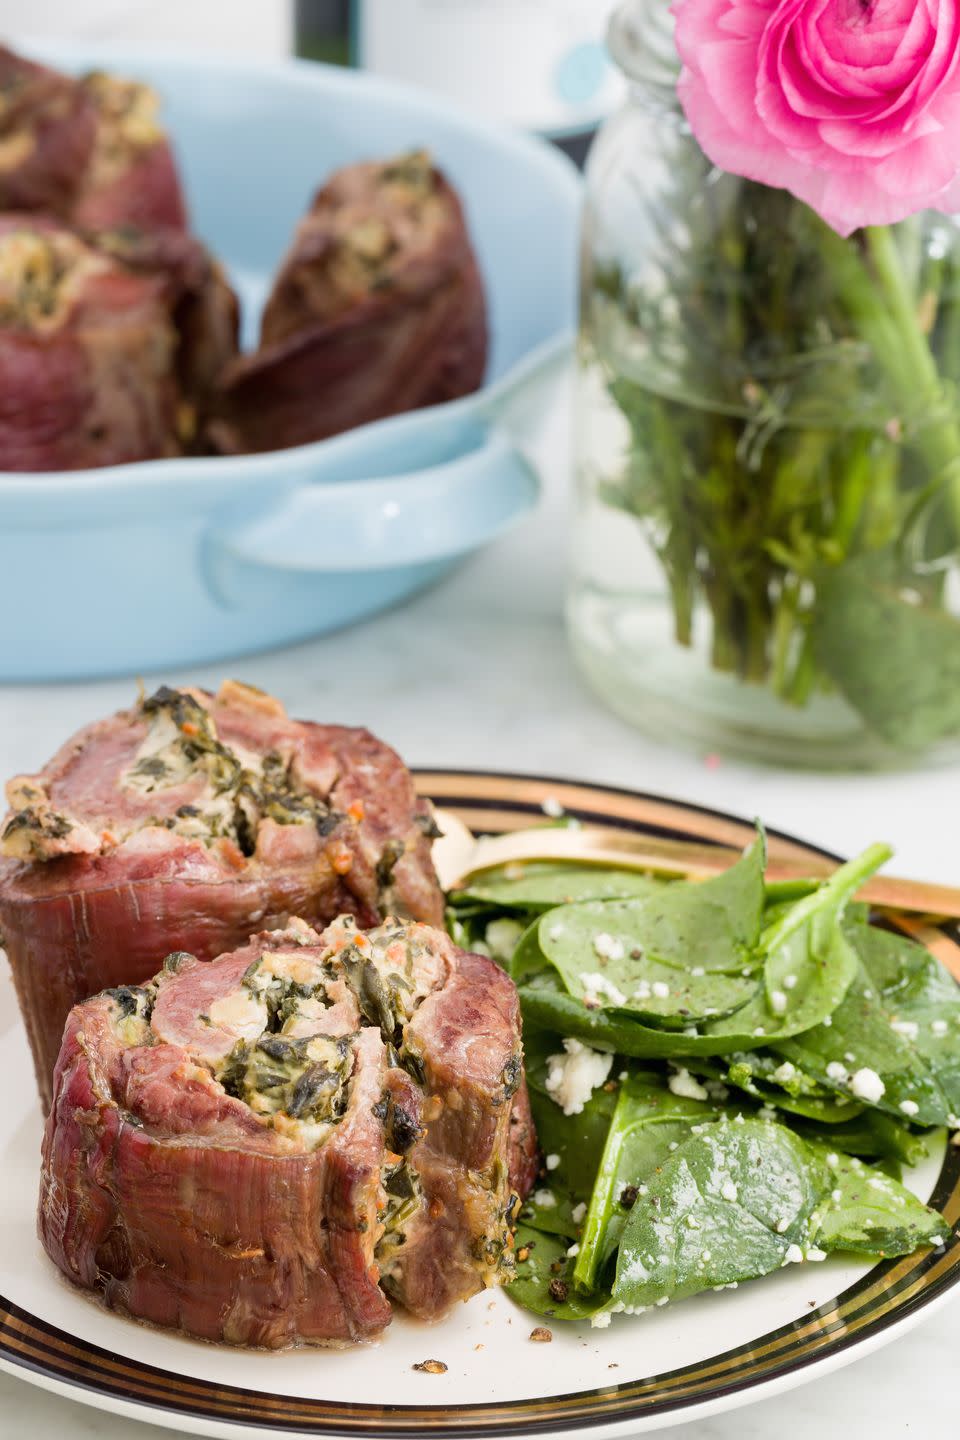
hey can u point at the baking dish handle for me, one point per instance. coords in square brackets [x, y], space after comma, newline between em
[418, 518]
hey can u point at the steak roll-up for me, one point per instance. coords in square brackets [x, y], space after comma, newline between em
[110, 346]
[191, 822]
[87, 354]
[261, 1150]
[90, 151]
[379, 308]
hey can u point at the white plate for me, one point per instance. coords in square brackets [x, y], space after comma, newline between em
[674, 1364]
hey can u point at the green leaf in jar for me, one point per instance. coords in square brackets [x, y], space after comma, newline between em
[894, 656]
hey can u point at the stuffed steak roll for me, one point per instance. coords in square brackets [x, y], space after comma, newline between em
[189, 823]
[378, 308]
[87, 354]
[264, 1149]
[90, 151]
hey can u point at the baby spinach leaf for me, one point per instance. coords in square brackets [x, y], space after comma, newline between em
[871, 1135]
[543, 1281]
[647, 1124]
[900, 1019]
[809, 962]
[576, 1141]
[868, 1211]
[549, 1209]
[533, 888]
[732, 1203]
[772, 1081]
[595, 947]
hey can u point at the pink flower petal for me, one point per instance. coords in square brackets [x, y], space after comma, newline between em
[852, 105]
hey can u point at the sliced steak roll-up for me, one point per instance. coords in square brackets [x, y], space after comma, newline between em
[257, 1150]
[87, 354]
[379, 308]
[90, 151]
[191, 822]
[109, 348]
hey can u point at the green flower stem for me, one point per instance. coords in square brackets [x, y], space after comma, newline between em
[902, 347]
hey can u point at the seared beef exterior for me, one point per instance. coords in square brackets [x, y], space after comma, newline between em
[191, 822]
[89, 151]
[109, 350]
[261, 1149]
[378, 308]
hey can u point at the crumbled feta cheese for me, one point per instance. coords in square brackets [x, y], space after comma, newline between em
[850, 1058]
[783, 1224]
[778, 1002]
[767, 1112]
[544, 1198]
[833, 1158]
[784, 1072]
[601, 1320]
[579, 1211]
[867, 1085]
[909, 1029]
[624, 1075]
[705, 1256]
[789, 982]
[502, 937]
[573, 1250]
[816, 1254]
[573, 1076]
[698, 970]
[828, 1021]
[837, 1072]
[661, 989]
[642, 991]
[909, 1107]
[682, 1083]
[551, 806]
[555, 932]
[729, 1191]
[939, 1027]
[674, 1145]
[836, 1196]
[760, 1030]
[690, 1030]
[607, 946]
[664, 1300]
[794, 1255]
[552, 1161]
[596, 985]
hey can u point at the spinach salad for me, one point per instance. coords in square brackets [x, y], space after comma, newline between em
[726, 1076]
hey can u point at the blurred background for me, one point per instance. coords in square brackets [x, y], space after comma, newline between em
[541, 64]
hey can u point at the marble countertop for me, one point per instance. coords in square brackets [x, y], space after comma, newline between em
[476, 673]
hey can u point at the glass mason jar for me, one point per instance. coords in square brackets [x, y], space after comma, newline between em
[768, 453]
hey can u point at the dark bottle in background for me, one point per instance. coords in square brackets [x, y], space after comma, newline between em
[538, 64]
[322, 30]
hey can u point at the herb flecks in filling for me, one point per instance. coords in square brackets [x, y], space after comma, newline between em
[239, 790]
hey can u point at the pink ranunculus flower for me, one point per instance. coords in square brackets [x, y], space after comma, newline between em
[851, 105]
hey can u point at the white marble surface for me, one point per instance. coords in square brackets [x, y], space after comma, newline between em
[476, 673]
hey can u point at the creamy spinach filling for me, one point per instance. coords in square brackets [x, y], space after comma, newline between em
[240, 790]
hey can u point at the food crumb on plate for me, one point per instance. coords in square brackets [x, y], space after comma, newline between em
[541, 1335]
[431, 1367]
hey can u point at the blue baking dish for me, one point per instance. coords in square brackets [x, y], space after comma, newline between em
[171, 562]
